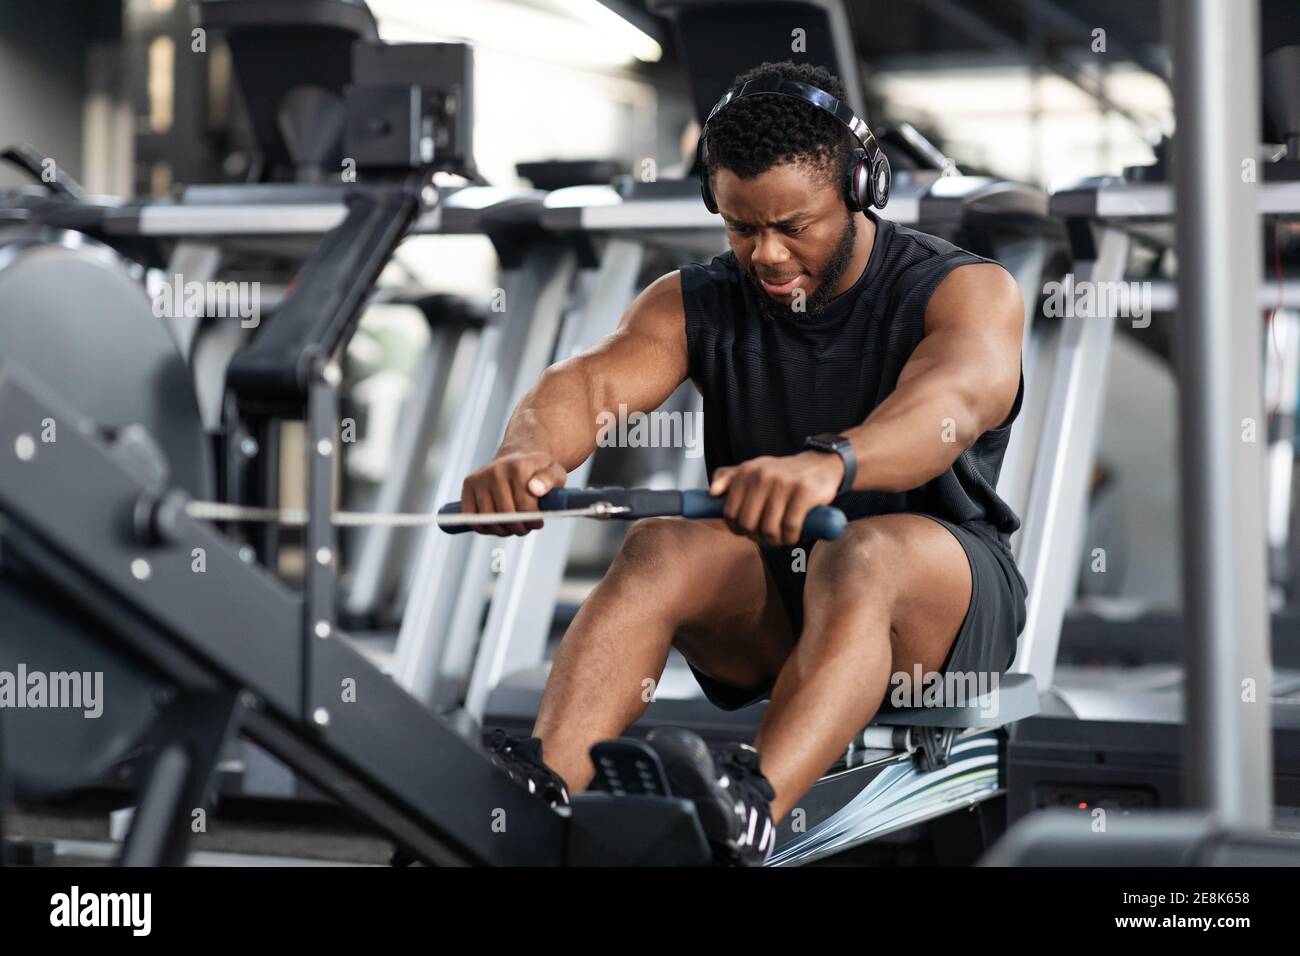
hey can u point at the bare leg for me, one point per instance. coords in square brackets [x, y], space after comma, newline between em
[892, 592]
[693, 582]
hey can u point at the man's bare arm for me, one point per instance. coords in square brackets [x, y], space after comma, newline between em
[960, 382]
[554, 427]
[638, 365]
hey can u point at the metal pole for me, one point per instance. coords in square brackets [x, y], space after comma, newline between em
[1229, 742]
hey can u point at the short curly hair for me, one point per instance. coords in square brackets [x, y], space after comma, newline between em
[755, 133]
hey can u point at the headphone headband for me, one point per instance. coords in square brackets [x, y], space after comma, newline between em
[805, 93]
[869, 173]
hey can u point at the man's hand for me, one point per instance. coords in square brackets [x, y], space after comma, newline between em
[769, 498]
[512, 481]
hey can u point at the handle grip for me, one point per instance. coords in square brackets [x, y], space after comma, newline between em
[557, 499]
[453, 509]
[822, 522]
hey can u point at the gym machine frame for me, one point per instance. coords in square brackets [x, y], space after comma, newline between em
[270, 664]
[92, 515]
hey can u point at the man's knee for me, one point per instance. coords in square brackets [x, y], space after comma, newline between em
[657, 545]
[660, 559]
[864, 560]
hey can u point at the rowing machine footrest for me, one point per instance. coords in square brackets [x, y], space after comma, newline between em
[635, 830]
[628, 816]
[628, 767]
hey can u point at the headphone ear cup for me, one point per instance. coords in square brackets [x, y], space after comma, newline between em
[859, 180]
[706, 188]
[706, 193]
[881, 177]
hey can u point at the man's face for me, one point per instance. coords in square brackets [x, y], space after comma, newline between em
[792, 234]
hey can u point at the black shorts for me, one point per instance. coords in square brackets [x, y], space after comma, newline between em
[986, 641]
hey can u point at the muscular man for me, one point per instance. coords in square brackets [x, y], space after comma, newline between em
[899, 353]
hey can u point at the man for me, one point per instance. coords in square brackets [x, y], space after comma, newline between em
[898, 355]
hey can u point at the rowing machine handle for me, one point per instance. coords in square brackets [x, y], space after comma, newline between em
[822, 522]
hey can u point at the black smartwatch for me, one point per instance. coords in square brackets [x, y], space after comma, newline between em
[839, 445]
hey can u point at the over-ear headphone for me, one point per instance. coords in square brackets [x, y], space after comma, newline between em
[869, 173]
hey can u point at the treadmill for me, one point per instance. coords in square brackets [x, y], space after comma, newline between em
[1112, 736]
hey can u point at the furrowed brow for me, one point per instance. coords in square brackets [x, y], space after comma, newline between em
[785, 223]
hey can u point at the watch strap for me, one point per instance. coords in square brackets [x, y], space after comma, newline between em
[840, 446]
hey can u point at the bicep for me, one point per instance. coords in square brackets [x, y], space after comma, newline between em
[643, 361]
[974, 323]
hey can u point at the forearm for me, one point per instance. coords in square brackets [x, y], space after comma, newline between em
[914, 435]
[556, 417]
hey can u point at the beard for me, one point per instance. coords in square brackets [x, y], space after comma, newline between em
[815, 303]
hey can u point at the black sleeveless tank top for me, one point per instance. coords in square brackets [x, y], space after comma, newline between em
[769, 383]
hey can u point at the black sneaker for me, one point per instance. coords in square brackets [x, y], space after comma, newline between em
[731, 795]
[522, 760]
